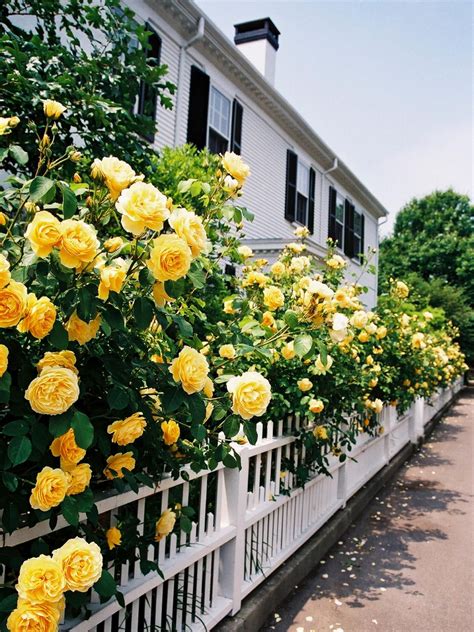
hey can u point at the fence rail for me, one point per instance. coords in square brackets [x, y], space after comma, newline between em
[248, 522]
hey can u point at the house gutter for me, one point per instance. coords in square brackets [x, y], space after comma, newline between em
[182, 58]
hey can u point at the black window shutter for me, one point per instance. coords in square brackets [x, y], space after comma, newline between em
[291, 173]
[332, 213]
[349, 229]
[312, 185]
[198, 106]
[362, 231]
[236, 138]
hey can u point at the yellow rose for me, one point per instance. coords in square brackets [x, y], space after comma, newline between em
[251, 394]
[79, 243]
[191, 369]
[127, 430]
[114, 537]
[401, 289]
[32, 617]
[113, 244]
[320, 432]
[245, 251]
[3, 359]
[189, 227]
[81, 331]
[112, 279]
[54, 391]
[363, 336]
[13, 301]
[273, 297]
[170, 258]
[316, 406]
[228, 309]
[165, 525]
[160, 295]
[371, 329]
[227, 351]
[116, 174]
[208, 389]
[53, 109]
[4, 271]
[7, 124]
[359, 319]
[44, 233]
[278, 269]
[80, 478]
[142, 206]
[268, 320]
[67, 359]
[377, 405]
[209, 410]
[50, 488]
[118, 462]
[301, 232]
[381, 332]
[288, 351]
[255, 278]
[321, 368]
[335, 262]
[81, 562]
[66, 447]
[296, 248]
[299, 264]
[235, 166]
[305, 384]
[418, 340]
[39, 318]
[41, 579]
[171, 431]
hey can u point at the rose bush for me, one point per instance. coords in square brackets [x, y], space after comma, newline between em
[127, 352]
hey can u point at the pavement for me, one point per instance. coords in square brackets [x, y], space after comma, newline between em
[407, 564]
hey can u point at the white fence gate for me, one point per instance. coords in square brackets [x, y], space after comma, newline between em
[244, 529]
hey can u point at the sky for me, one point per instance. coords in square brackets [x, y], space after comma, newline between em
[388, 85]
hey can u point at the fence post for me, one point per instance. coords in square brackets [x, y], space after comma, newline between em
[232, 557]
[417, 427]
[342, 483]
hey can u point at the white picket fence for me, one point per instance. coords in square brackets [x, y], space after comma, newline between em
[245, 526]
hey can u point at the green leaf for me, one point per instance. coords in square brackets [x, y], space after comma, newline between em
[185, 524]
[114, 317]
[231, 426]
[172, 398]
[199, 432]
[10, 481]
[105, 586]
[58, 337]
[323, 352]
[5, 384]
[250, 430]
[185, 328]
[70, 511]
[229, 460]
[7, 604]
[175, 288]
[16, 428]
[59, 424]
[42, 188]
[303, 344]
[195, 189]
[86, 307]
[19, 154]
[117, 398]
[143, 310]
[69, 202]
[19, 449]
[196, 407]
[291, 318]
[198, 277]
[83, 430]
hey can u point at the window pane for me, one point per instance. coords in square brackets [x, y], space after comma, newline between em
[339, 233]
[217, 143]
[303, 178]
[301, 209]
[356, 246]
[357, 223]
[340, 209]
[219, 112]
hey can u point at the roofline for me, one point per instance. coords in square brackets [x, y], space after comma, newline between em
[187, 13]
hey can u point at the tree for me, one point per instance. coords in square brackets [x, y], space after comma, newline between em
[90, 56]
[433, 247]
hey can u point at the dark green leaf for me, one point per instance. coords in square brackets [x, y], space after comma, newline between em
[185, 524]
[175, 288]
[114, 317]
[231, 426]
[16, 428]
[196, 407]
[105, 586]
[19, 449]
[199, 432]
[83, 430]
[172, 398]
[117, 398]
[5, 384]
[70, 511]
[143, 310]
[59, 424]
[42, 188]
[7, 604]
[10, 481]
[250, 430]
[58, 337]
[69, 202]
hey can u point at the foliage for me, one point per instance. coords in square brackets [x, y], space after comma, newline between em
[90, 56]
[127, 353]
[433, 239]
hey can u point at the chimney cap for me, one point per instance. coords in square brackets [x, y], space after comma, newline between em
[257, 30]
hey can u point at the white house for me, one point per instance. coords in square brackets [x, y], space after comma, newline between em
[226, 100]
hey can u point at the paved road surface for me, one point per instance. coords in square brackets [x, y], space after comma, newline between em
[407, 564]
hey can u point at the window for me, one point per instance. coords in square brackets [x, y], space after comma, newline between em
[219, 122]
[346, 225]
[358, 248]
[147, 95]
[339, 233]
[300, 189]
